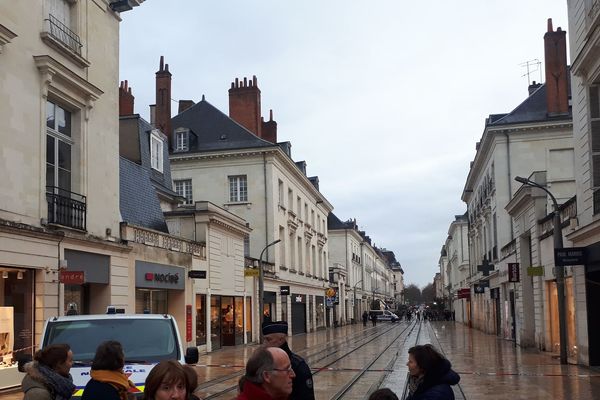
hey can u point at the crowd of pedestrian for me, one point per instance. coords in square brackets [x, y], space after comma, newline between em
[273, 372]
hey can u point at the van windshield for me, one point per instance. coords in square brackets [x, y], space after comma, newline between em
[143, 340]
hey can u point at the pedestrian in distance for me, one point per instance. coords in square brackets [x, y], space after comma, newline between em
[365, 317]
[108, 381]
[168, 380]
[48, 376]
[431, 374]
[269, 376]
[374, 318]
[275, 335]
[383, 394]
[192, 380]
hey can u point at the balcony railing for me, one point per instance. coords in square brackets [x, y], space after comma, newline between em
[66, 208]
[63, 34]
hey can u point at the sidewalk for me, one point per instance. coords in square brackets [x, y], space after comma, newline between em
[493, 368]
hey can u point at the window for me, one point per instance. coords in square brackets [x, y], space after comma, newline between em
[280, 191]
[290, 199]
[184, 189]
[61, 25]
[58, 147]
[247, 246]
[182, 140]
[238, 188]
[595, 139]
[156, 151]
[299, 201]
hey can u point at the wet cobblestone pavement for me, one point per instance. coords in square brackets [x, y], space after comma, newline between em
[490, 368]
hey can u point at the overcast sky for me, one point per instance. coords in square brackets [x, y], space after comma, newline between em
[383, 99]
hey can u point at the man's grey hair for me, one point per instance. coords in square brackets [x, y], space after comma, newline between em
[260, 362]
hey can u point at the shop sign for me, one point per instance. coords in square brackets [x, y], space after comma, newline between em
[251, 272]
[298, 298]
[188, 323]
[71, 277]
[196, 274]
[464, 293]
[514, 272]
[535, 271]
[479, 289]
[284, 290]
[569, 256]
[162, 278]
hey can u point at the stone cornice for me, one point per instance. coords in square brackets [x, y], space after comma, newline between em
[6, 36]
[274, 151]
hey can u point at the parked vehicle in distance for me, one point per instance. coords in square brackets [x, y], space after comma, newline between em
[385, 315]
[146, 338]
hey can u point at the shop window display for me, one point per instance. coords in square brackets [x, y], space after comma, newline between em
[151, 301]
[16, 315]
[200, 319]
[249, 319]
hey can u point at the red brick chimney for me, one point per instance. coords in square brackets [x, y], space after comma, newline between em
[555, 53]
[269, 128]
[244, 104]
[125, 99]
[163, 100]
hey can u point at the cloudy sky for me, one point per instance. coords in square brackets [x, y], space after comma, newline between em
[383, 99]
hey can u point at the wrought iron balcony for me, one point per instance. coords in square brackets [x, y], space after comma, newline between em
[66, 208]
[64, 35]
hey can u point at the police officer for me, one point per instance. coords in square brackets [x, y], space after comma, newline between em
[275, 335]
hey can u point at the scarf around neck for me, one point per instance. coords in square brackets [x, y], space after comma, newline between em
[413, 383]
[116, 379]
[61, 386]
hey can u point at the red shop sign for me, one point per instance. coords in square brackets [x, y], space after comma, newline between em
[71, 277]
[188, 323]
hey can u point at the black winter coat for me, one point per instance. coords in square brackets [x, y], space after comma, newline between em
[436, 385]
[302, 385]
[96, 390]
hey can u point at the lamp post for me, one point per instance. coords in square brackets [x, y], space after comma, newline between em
[355, 308]
[559, 270]
[261, 286]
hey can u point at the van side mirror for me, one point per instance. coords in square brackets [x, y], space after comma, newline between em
[191, 355]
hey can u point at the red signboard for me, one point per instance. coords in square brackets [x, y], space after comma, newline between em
[188, 323]
[464, 293]
[513, 272]
[71, 277]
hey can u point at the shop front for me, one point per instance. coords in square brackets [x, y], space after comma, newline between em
[16, 321]
[298, 313]
[226, 321]
[159, 288]
[94, 271]
[269, 304]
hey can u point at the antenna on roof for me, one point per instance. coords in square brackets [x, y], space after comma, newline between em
[532, 66]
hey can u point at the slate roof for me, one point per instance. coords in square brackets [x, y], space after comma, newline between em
[214, 130]
[533, 109]
[137, 199]
[333, 222]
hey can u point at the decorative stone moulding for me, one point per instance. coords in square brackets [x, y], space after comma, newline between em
[6, 36]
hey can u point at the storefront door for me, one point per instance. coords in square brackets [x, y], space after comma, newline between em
[215, 322]
[298, 314]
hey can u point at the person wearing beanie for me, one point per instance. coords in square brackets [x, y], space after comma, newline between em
[275, 335]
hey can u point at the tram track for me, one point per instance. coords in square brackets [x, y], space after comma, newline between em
[360, 374]
[330, 348]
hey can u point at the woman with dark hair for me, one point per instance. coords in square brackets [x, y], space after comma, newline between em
[167, 381]
[48, 375]
[431, 374]
[108, 380]
[192, 380]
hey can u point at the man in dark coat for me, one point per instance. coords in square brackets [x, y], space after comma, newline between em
[275, 335]
[365, 317]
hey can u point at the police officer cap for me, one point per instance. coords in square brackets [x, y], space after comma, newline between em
[274, 327]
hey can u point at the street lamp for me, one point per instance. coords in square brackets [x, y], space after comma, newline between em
[356, 308]
[261, 286]
[559, 270]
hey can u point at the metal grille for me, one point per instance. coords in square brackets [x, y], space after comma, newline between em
[66, 208]
[63, 34]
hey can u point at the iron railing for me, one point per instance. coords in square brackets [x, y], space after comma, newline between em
[63, 34]
[66, 208]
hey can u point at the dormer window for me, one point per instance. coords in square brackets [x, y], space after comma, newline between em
[156, 151]
[182, 139]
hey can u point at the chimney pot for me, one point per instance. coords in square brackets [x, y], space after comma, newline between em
[163, 101]
[244, 105]
[126, 99]
[555, 54]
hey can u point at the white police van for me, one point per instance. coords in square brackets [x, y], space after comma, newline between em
[147, 339]
[385, 315]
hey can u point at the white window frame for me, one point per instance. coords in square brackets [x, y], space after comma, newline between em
[182, 140]
[156, 153]
[238, 188]
[183, 187]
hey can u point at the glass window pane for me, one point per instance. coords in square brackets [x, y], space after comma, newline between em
[50, 149]
[64, 123]
[64, 155]
[64, 179]
[200, 319]
[49, 115]
[50, 175]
